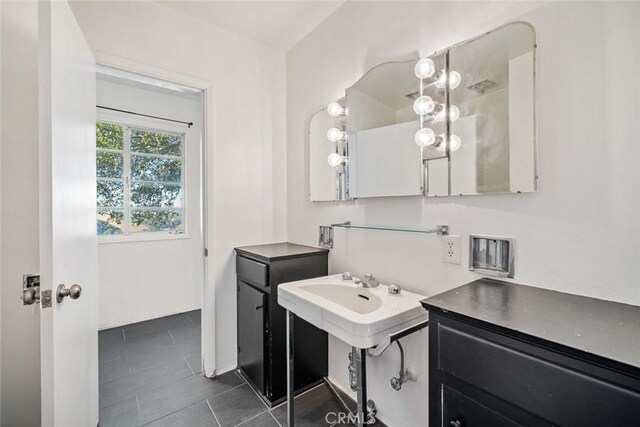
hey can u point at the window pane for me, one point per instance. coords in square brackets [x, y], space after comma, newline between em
[143, 141]
[109, 136]
[143, 221]
[156, 195]
[110, 221]
[110, 193]
[156, 169]
[109, 165]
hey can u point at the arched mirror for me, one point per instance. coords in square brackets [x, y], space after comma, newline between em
[460, 122]
[496, 100]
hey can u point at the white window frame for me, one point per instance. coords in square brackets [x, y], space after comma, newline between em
[128, 121]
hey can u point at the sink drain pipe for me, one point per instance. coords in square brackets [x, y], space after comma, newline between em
[358, 372]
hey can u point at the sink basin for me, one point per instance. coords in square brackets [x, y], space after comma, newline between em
[359, 300]
[361, 317]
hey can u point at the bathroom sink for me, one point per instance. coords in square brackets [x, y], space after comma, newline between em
[361, 317]
[359, 300]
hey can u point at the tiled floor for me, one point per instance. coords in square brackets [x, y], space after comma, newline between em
[150, 374]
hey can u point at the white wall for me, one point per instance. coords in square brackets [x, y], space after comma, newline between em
[140, 280]
[20, 334]
[247, 147]
[580, 233]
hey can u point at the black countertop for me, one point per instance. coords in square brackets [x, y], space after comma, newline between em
[607, 329]
[279, 251]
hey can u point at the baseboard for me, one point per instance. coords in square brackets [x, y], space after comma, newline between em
[141, 318]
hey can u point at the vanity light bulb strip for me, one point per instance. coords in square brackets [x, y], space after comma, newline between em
[425, 106]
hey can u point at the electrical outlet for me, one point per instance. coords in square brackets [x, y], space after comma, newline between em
[451, 250]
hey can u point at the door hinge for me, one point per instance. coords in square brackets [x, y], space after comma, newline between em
[206, 252]
[238, 349]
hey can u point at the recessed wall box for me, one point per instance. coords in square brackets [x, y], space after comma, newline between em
[490, 255]
[325, 237]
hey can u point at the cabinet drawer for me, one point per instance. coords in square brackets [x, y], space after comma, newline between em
[460, 410]
[555, 393]
[252, 271]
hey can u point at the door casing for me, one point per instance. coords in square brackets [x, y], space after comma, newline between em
[208, 296]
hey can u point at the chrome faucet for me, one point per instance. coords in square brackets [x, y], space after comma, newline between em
[369, 281]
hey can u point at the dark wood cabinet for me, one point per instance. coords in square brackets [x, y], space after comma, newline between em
[502, 354]
[463, 411]
[252, 330]
[262, 321]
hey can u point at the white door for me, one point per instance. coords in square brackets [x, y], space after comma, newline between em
[68, 248]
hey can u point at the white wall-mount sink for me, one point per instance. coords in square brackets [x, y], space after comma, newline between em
[361, 317]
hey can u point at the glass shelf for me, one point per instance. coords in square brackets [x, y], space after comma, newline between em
[438, 229]
[326, 231]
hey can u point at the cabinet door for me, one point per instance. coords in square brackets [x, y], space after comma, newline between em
[459, 410]
[252, 306]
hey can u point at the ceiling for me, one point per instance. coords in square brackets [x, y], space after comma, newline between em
[279, 24]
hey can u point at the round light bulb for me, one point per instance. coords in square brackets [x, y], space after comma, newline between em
[335, 159]
[423, 105]
[454, 143]
[424, 68]
[454, 114]
[440, 79]
[334, 109]
[454, 79]
[425, 137]
[335, 134]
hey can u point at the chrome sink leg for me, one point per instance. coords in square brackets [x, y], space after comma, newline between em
[290, 387]
[360, 356]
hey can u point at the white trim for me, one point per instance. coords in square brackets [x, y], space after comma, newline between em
[141, 237]
[126, 157]
[207, 170]
[153, 156]
[124, 64]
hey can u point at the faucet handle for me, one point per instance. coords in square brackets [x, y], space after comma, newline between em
[394, 289]
[346, 276]
[369, 276]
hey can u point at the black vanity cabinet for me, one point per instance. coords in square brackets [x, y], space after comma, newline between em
[262, 321]
[502, 354]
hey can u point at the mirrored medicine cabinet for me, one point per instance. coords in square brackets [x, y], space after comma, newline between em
[460, 122]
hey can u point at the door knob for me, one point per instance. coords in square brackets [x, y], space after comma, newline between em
[456, 423]
[31, 295]
[73, 292]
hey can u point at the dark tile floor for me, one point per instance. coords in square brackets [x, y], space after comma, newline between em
[150, 374]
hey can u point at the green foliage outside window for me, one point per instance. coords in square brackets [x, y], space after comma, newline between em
[109, 136]
[155, 191]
